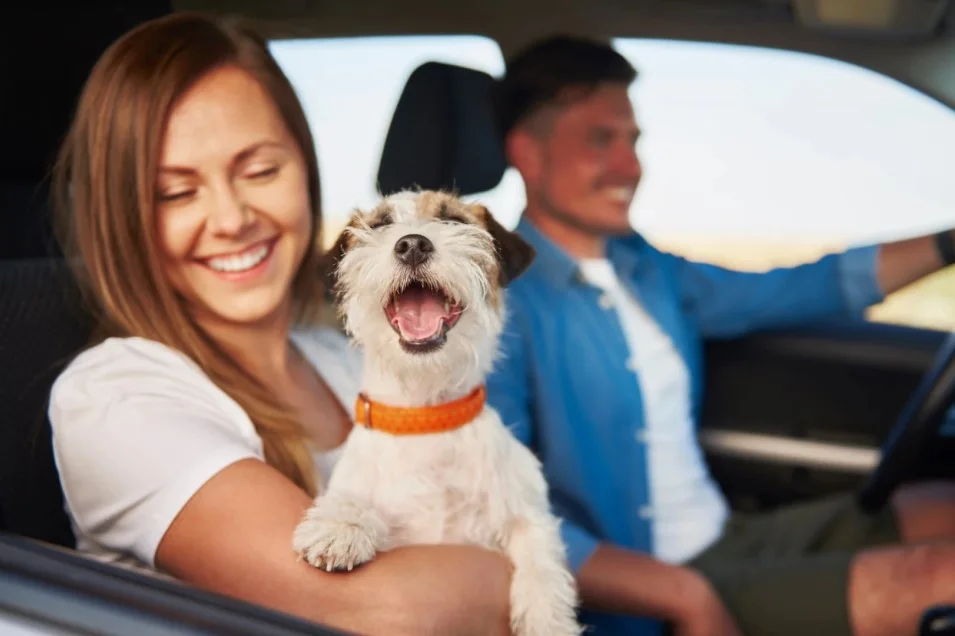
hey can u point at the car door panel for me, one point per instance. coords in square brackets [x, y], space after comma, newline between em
[795, 414]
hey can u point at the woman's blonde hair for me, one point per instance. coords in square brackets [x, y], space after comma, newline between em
[104, 194]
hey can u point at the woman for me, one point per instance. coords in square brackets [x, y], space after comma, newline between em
[191, 439]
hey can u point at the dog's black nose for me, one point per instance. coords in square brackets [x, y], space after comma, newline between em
[413, 249]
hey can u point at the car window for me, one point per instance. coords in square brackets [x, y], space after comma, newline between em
[349, 88]
[753, 157]
[756, 157]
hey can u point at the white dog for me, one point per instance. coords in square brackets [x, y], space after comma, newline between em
[420, 285]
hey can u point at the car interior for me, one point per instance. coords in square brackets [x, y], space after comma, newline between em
[788, 414]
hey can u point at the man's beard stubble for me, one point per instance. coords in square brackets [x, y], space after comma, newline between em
[577, 222]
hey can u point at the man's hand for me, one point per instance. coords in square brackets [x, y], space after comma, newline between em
[624, 582]
[707, 617]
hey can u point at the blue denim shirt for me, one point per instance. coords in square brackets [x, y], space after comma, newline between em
[564, 388]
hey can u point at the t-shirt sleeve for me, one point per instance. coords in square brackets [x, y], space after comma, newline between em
[137, 430]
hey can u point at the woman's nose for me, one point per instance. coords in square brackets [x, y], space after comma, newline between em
[229, 215]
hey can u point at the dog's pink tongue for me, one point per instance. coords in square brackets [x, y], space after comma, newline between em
[419, 314]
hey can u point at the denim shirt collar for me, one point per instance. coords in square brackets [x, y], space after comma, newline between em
[560, 269]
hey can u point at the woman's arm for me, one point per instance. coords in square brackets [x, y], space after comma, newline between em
[234, 536]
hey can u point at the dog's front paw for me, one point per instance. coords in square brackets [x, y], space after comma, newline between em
[338, 535]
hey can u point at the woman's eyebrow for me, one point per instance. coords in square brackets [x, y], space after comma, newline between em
[254, 148]
[242, 155]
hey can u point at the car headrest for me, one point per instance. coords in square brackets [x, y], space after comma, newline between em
[442, 135]
[42, 326]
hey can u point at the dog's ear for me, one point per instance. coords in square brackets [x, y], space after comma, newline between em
[514, 254]
[328, 263]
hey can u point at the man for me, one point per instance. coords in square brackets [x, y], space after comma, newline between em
[601, 376]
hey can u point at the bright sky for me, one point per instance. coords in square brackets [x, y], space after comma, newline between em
[738, 142]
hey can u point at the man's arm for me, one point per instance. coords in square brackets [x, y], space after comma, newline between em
[728, 303]
[901, 263]
[621, 581]
[625, 582]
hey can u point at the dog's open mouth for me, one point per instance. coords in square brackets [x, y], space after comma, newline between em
[422, 316]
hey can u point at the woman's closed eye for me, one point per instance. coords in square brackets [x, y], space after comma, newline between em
[260, 173]
[170, 196]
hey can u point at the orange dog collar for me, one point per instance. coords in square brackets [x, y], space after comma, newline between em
[420, 420]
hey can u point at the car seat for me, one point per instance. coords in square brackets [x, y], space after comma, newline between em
[42, 326]
[443, 135]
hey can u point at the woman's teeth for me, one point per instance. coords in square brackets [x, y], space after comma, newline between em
[240, 262]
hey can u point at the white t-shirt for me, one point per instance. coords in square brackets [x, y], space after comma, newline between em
[138, 428]
[687, 508]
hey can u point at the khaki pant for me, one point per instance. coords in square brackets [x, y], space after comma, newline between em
[786, 571]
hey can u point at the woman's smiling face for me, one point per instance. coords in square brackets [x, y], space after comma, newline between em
[233, 208]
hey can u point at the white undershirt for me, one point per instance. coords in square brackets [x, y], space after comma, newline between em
[687, 507]
[138, 428]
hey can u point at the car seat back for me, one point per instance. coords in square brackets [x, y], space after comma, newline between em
[443, 134]
[42, 326]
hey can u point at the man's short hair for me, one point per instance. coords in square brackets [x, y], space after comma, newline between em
[538, 75]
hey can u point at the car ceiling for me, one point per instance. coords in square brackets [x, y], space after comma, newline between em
[47, 47]
[926, 62]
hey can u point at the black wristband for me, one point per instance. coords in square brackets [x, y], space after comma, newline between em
[945, 244]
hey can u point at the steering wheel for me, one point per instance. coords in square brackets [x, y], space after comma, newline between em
[916, 428]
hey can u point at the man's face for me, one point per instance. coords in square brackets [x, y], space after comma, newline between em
[587, 168]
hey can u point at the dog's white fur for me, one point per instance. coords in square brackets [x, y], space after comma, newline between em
[476, 484]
